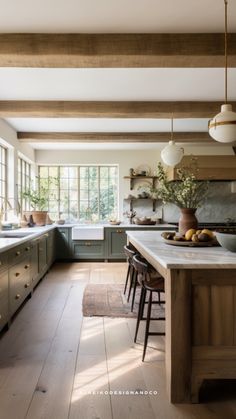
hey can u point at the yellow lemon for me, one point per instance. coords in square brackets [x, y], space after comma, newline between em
[190, 233]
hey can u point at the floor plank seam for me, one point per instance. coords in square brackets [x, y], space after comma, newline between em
[76, 362]
[48, 352]
[107, 368]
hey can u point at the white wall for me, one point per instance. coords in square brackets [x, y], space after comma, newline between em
[8, 134]
[125, 159]
[8, 138]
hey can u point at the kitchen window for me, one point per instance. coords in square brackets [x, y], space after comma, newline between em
[85, 192]
[3, 178]
[24, 183]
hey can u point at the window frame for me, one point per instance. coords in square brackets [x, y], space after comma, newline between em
[24, 172]
[3, 178]
[58, 169]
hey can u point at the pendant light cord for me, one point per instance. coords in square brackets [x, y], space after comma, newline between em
[172, 124]
[226, 53]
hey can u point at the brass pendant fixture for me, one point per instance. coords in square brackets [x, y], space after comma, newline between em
[222, 127]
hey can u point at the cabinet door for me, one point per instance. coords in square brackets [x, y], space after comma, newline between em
[3, 261]
[4, 299]
[63, 243]
[34, 261]
[19, 283]
[117, 239]
[50, 248]
[42, 254]
[84, 249]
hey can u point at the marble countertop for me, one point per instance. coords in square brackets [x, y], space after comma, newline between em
[177, 257]
[121, 225]
[7, 243]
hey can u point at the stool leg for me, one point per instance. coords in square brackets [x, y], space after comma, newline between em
[127, 278]
[143, 302]
[147, 324]
[131, 281]
[134, 290]
[139, 317]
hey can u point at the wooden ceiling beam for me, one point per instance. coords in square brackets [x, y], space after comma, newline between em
[116, 50]
[113, 137]
[100, 109]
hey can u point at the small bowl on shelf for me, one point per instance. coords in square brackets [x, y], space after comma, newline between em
[114, 222]
[227, 240]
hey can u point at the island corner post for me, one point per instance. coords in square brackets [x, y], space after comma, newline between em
[200, 326]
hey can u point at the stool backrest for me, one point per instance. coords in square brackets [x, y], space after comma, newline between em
[129, 253]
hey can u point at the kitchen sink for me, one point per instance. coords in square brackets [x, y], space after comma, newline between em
[88, 232]
[14, 235]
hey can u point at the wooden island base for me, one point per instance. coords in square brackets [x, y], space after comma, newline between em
[200, 314]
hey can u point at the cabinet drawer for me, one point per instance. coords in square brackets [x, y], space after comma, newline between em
[18, 253]
[4, 300]
[20, 284]
[88, 249]
[3, 261]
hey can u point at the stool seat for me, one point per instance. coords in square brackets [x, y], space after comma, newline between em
[155, 284]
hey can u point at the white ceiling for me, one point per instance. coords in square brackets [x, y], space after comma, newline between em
[115, 84]
[106, 125]
[113, 16]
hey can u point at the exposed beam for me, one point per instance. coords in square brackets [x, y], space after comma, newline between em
[111, 137]
[116, 50]
[99, 109]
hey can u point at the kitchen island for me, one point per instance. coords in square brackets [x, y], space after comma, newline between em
[200, 294]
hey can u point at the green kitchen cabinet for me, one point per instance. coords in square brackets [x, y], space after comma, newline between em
[50, 247]
[34, 262]
[42, 254]
[19, 283]
[63, 243]
[115, 241]
[88, 249]
[4, 299]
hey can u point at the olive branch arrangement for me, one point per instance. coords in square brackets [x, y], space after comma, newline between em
[185, 192]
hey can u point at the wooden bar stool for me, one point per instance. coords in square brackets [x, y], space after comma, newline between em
[151, 281]
[132, 274]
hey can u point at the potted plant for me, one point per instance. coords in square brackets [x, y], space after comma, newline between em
[187, 193]
[38, 198]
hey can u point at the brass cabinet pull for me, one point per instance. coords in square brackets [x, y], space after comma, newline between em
[26, 266]
[88, 244]
[17, 273]
[27, 248]
[17, 296]
[18, 253]
[119, 231]
[27, 285]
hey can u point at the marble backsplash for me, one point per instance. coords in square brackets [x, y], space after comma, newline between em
[220, 205]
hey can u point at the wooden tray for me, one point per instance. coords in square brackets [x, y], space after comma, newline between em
[191, 244]
[145, 223]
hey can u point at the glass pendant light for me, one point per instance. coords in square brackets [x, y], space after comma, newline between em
[222, 127]
[172, 154]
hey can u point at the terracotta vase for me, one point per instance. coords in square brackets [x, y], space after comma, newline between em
[39, 217]
[187, 220]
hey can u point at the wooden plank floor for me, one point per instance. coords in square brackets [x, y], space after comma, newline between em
[54, 363]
